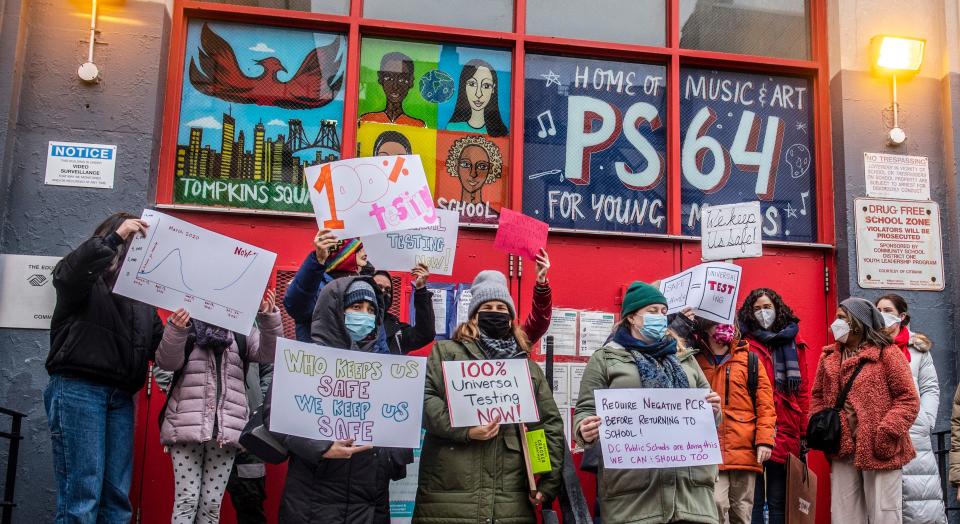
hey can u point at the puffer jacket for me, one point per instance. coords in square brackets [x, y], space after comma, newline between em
[339, 491]
[194, 403]
[467, 482]
[884, 398]
[645, 496]
[745, 426]
[922, 496]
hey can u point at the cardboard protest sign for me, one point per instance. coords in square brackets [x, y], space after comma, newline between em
[711, 289]
[365, 196]
[482, 391]
[334, 394]
[434, 246]
[519, 234]
[731, 231]
[657, 428]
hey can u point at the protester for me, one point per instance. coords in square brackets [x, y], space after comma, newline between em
[207, 406]
[643, 353]
[772, 330]
[100, 344]
[331, 258]
[954, 456]
[336, 482]
[478, 474]
[403, 338]
[922, 494]
[865, 474]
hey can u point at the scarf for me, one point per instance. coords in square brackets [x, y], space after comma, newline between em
[657, 363]
[375, 342]
[211, 337]
[783, 349]
[903, 342]
[498, 348]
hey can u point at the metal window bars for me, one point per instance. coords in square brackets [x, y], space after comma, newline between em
[14, 436]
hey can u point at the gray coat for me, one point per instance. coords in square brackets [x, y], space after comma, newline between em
[922, 496]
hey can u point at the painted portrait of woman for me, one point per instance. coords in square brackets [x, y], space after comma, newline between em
[476, 162]
[477, 110]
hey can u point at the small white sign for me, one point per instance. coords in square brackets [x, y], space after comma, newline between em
[711, 289]
[657, 428]
[595, 329]
[902, 177]
[80, 165]
[482, 391]
[899, 245]
[731, 231]
[434, 246]
[563, 329]
[27, 296]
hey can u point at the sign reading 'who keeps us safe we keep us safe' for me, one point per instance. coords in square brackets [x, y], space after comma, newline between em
[80, 165]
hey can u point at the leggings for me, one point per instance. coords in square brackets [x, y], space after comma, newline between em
[201, 472]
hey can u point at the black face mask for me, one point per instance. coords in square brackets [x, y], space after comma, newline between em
[494, 324]
[388, 298]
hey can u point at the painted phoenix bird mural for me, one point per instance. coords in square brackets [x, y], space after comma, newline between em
[220, 75]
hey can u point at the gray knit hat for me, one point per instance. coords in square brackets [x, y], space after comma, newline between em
[360, 291]
[490, 285]
[865, 312]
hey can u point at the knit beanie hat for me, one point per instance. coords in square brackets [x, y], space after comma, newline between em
[360, 291]
[344, 257]
[865, 312]
[490, 285]
[640, 295]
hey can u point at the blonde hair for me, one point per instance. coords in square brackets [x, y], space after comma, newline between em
[469, 331]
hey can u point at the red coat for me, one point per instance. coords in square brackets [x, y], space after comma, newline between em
[884, 398]
[792, 408]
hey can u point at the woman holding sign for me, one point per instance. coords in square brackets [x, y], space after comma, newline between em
[643, 353]
[479, 473]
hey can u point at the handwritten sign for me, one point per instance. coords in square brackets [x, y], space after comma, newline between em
[434, 246]
[519, 234]
[482, 391]
[896, 176]
[334, 394]
[731, 231]
[657, 428]
[364, 196]
[711, 289]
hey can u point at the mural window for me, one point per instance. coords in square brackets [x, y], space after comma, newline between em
[747, 137]
[333, 7]
[778, 28]
[448, 103]
[595, 144]
[490, 15]
[624, 21]
[258, 105]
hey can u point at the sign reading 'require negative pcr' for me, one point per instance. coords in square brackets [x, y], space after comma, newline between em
[483, 391]
[217, 279]
[80, 165]
[657, 428]
[731, 231]
[898, 244]
[711, 289]
[434, 246]
[334, 394]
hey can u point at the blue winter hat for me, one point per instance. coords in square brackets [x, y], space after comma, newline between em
[360, 291]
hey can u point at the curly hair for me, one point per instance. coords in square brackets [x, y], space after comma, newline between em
[493, 156]
[747, 320]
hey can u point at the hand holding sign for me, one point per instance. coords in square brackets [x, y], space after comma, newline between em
[710, 289]
[519, 234]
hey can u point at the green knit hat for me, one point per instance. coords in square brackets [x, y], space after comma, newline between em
[640, 295]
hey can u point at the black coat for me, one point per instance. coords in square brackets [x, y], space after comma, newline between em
[403, 338]
[95, 334]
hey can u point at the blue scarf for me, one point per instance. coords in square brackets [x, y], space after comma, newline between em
[657, 363]
[783, 349]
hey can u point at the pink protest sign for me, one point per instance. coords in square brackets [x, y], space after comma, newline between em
[519, 234]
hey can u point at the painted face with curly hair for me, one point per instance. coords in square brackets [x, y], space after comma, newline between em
[476, 161]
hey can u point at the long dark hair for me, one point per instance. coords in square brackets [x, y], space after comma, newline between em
[898, 302]
[112, 223]
[392, 136]
[747, 320]
[491, 113]
[871, 336]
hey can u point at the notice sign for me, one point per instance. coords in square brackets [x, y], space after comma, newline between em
[433, 246]
[80, 165]
[334, 394]
[657, 428]
[27, 296]
[731, 231]
[711, 289]
[897, 176]
[899, 245]
[483, 391]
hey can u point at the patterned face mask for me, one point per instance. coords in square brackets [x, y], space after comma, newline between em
[724, 333]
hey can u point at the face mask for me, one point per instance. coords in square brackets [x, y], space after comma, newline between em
[654, 326]
[388, 298]
[765, 317]
[359, 325]
[723, 333]
[890, 320]
[840, 330]
[494, 324]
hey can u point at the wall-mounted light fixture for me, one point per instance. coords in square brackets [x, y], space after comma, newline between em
[897, 56]
[88, 71]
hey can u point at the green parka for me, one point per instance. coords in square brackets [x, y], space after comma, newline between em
[463, 481]
[645, 496]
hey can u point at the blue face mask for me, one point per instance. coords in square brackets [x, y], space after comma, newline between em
[359, 325]
[654, 326]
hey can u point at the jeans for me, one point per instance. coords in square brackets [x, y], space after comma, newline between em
[91, 426]
[774, 493]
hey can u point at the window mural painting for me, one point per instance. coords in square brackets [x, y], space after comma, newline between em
[451, 104]
[258, 105]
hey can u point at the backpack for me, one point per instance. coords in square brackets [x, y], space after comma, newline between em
[241, 341]
[753, 377]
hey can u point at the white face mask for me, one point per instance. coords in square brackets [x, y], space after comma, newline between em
[765, 317]
[890, 320]
[840, 330]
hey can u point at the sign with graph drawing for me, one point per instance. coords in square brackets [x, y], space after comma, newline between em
[217, 279]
